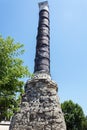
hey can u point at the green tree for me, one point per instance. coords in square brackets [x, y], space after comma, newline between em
[84, 124]
[73, 114]
[12, 71]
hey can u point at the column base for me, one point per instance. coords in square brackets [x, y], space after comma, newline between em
[40, 107]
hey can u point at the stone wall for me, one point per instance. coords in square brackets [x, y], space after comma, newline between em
[40, 107]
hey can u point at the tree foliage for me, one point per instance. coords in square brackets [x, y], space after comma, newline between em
[11, 72]
[74, 116]
[84, 124]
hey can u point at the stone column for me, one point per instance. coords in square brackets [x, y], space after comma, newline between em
[40, 108]
[42, 59]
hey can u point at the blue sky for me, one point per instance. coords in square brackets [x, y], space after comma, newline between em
[68, 25]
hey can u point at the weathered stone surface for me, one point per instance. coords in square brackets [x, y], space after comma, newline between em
[40, 107]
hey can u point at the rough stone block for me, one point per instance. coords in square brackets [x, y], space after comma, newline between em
[41, 110]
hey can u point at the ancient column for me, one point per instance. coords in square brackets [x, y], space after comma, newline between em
[40, 108]
[42, 59]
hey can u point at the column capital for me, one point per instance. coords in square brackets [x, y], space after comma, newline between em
[43, 6]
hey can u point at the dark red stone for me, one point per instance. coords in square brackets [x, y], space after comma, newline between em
[42, 58]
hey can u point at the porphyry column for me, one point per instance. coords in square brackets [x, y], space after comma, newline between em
[40, 107]
[42, 59]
